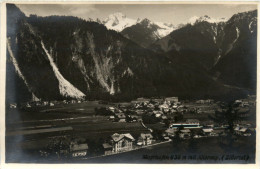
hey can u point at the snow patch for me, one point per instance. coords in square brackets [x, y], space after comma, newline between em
[112, 90]
[118, 22]
[196, 19]
[249, 26]
[252, 23]
[66, 88]
[128, 71]
[238, 32]
[16, 66]
[214, 39]
[219, 56]
[164, 28]
[102, 67]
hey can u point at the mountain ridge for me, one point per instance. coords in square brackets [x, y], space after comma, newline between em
[100, 63]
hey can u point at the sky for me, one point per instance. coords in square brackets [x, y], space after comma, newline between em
[169, 13]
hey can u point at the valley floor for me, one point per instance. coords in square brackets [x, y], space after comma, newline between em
[29, 134]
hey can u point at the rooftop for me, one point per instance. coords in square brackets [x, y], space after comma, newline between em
[106, 145]
[117, 137]
[78, 147]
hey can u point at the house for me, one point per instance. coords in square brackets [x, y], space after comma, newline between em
[205, 101]
[45, 103]
[243, 112]
[245, 104]
[163, 106]
[173, 111]
[171, 132]
[107, 148]
[158, 100]
[164, 117]
[122, 120]
[185, 133]
[185, 125]
[242, 131]
[150, 106]
[208, 131]
[193, 121]
[158, 115]
[131, 118]
[112, 109]
[73, 101]
[111, 118]
[197, 132]
[166, 138]
[122, 142]
[175, 107]
[13, 105]
[172, 99]
[139, 112]
[140, 100]
[28, 105]
[136, 118]
[238, 101]
[79, 150]
[120, 115]
[65, 102]
[145, 139]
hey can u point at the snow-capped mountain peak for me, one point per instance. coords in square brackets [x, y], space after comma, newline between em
[117, 15]
[164, 28]
[118, 21]
[145, 21]
[196, 19]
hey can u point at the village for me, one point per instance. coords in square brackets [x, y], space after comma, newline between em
[161, 119]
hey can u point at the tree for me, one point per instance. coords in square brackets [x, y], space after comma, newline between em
[56, 144]
[167, 122]
[228, 115]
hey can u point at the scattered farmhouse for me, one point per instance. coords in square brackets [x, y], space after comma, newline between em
[107, 148]
[122, 142]
[185, 133]
[140, 100]
[79, 150]
[172, 99]
[13, 105]
[208, 131]
[171, 132]
[145, 139]
[242, 131]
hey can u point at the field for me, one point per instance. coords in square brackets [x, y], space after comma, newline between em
[28, 132]
[31, 131]
[203, 150]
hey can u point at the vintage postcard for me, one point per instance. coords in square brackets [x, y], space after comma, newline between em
[130, 83]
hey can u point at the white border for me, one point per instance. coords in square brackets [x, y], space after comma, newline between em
[112, 166]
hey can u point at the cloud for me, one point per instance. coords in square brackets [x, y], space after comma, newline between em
[59, 9]
[242, 7]
[80, 10]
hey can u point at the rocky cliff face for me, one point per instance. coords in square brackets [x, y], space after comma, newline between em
[199, 42]
[146, 32]
[226, 49]
[61, 57]
[74, 58]
[237, 60]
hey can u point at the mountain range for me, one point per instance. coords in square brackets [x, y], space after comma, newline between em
[65, 57]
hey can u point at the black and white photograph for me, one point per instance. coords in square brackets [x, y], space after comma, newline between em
[131, 83]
